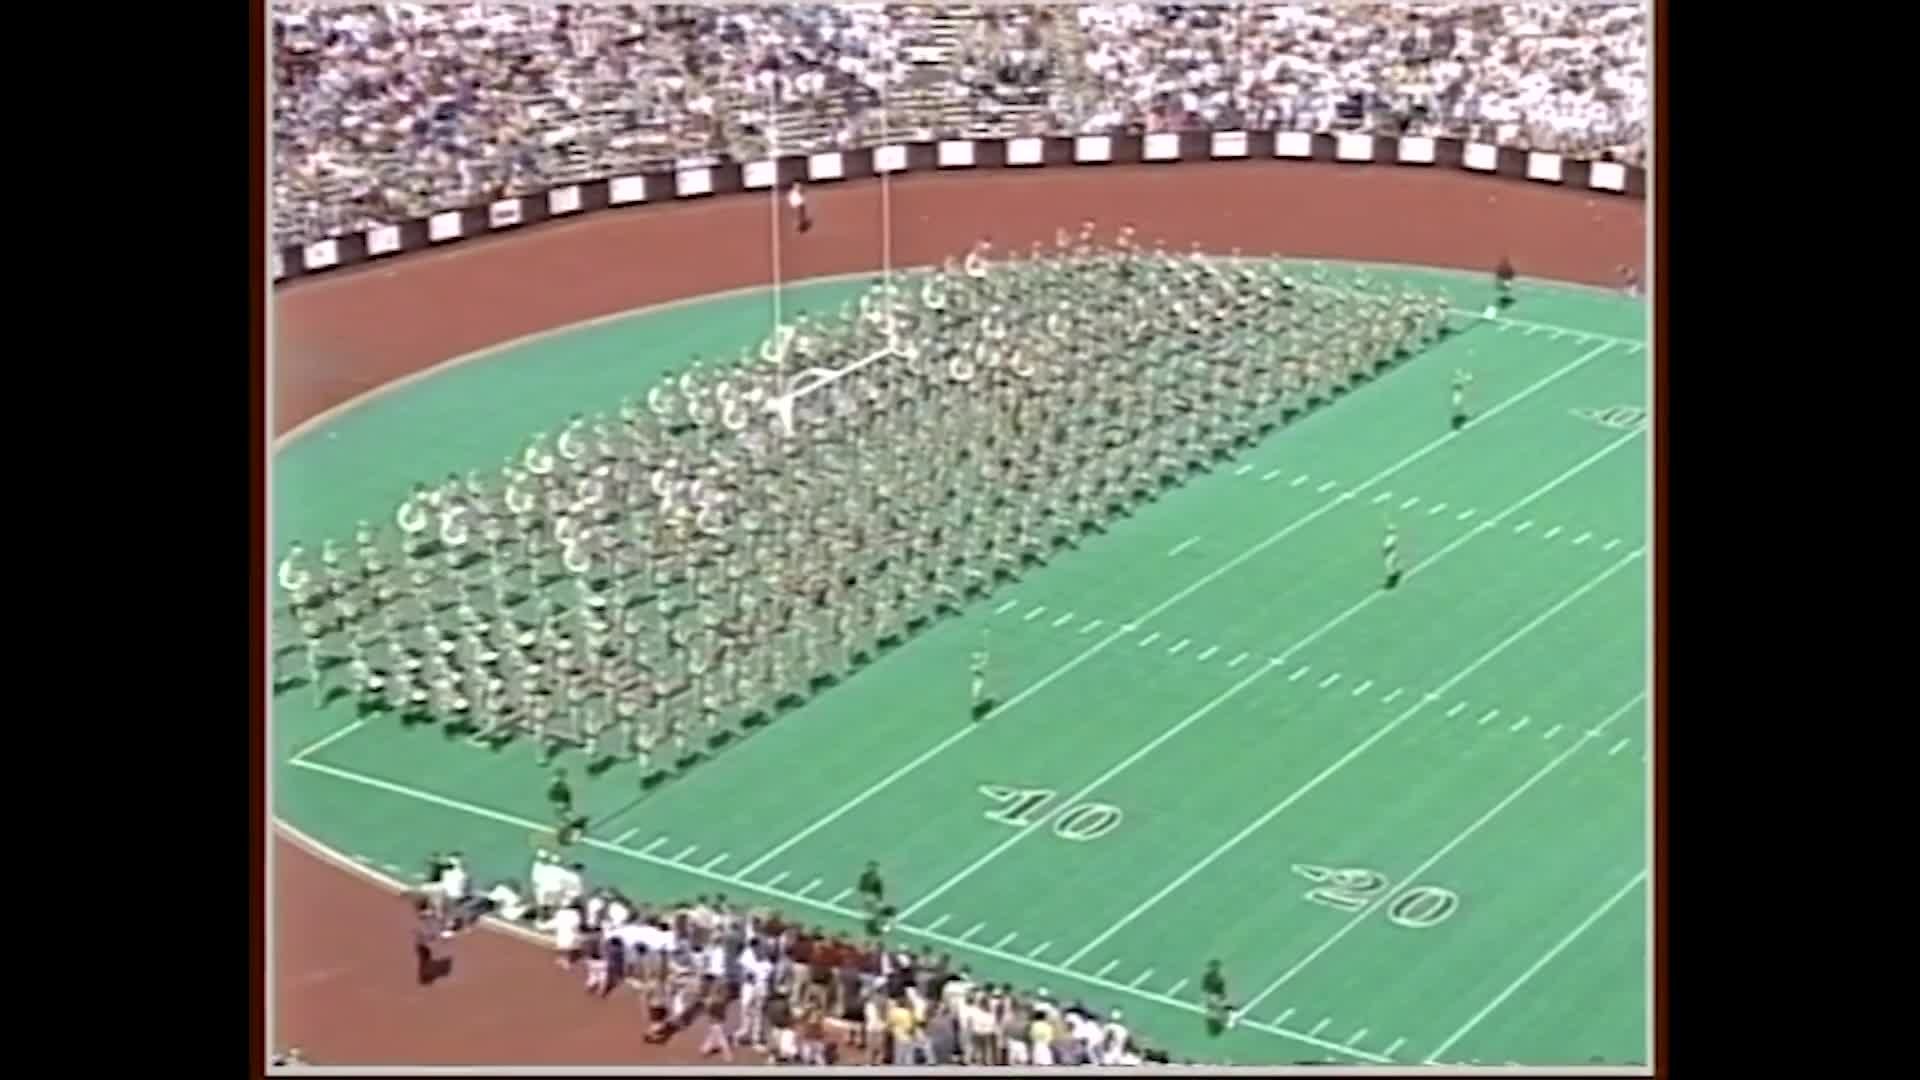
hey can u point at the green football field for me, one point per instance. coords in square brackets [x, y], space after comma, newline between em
[1412, 825]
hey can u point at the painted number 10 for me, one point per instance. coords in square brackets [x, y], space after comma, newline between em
[1022, 807]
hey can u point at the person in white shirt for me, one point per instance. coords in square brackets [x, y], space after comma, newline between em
[1115, 1038]
[507, 903]
[756, 971]
[566, 935]
[797, 202]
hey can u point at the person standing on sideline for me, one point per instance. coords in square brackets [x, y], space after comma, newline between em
[426, 931]
[797, 202]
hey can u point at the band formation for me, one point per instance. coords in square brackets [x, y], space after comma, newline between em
[744, 533]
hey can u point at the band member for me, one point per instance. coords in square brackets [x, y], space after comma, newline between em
[797, 202]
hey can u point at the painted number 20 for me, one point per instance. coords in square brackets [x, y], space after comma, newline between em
[1021, 807]
[1355, 888]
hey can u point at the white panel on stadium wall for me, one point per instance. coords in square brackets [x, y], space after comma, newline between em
[504, 214]
[1092, 149]
[563, 200]
[1480, 157]
[1416, 150]
[955, 154]
[690, 182]
[1229, 144]
[828, 166]
[889, 159]
[1543, 167]
[1353, 147]
[1161, 146]
[759, 174]
[444, 225]
[1293, 144]
[279, 265]
[1025, 150]
[1607, 176]
[626, 189]
[383, 240]
[321, 254]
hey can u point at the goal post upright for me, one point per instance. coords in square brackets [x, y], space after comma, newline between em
[773, 190]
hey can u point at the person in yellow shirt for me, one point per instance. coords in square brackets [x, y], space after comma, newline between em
[900, 1029]
[1040, 1035]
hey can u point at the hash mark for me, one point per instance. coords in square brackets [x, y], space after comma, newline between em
[1243, 470]
[1583, 538]
[1144, 976]
[1326, 487]
[1465, 514]
[1390, 698]
[1182, 546]
[1523, 526]
[622, 838]
[1176, 988]
[716, 861]
[1236, 661]
[1410, 503]
[1300, 674]
[1298, 480]
[1363, 688]
[837, 897]
[935, 924]
[810, 886]
[976, 928]
[1038, 949]
[1063, 620]
[1382, 497]
[1102, 973]
[1034, 614]
[1329, 680]
[1397, 1044]
[648, 850]
[1438, 508]
[1488, 719]
[1150, 639]
[1089, 628]
[1282, 1018]
[1619, 746]
[1181, 644]
[1356, 1036]
[1520, 723]
[1456, 710]
[775, 880]
[1611, 544]
[1211, 649]
[1002, 943]
[1552, 731]
[1553, 532]
[1271, 475]
[1006, 607]
[1321, 1026]
[682, 857]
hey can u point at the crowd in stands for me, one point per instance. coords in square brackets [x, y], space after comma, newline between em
[390, 112]
[751, 980]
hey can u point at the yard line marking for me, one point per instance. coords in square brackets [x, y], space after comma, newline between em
[1382, 497]
[1090, 627]
[1111, 964]
[1002, 943]
[774, 881]
[1236, 661]
[1527, 975]
[1282, 1018]
[1211, 649]
[526, 824]
[1611, 544]
[1390, 698]
[1034, 614]
[1551, 533]
[715, 861]
[1321, 1026]
[1182, 546]
[1202, 582]
[976, 928]
[1243, 470]
[1176, 988]
[1410, 503]
[1178, 645]
[1413, 876]
[1619, 746]
[841, 895]
[1329, 680]
[1298, 480]
[1150, 639]
[625, 836]
[935, 924]
[1437, 508]
[809, 886]
[1144, 976]
[1465, 514]
[328, 741]
[1006, 607]
[1523, 526]
[1298, 675]
[1552, 731]
[682, 857]
[1520, 723]
[658, 842]
[1362, 688]
[1456, 710]
[1326, 487]
[1357, 1036]
[1063, 620]
[1583, 538]
[1397, 1044]
[1488, 719]
[1038, 949]
[1339, 763]
[1271, 475]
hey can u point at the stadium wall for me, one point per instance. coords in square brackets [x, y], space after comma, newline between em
[668, 185]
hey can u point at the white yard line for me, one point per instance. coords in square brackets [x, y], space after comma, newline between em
[1341, 762]
[1202, 582]
[316, 747]
[1183, 545]
[1527, 975]
[1255, 675]
[1053, 970]
[1412, 877]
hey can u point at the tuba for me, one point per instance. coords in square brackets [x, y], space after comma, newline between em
[453, 526]
[411, 517]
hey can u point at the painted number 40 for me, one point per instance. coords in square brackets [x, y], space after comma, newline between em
[1352, 888]
[1022, 807]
